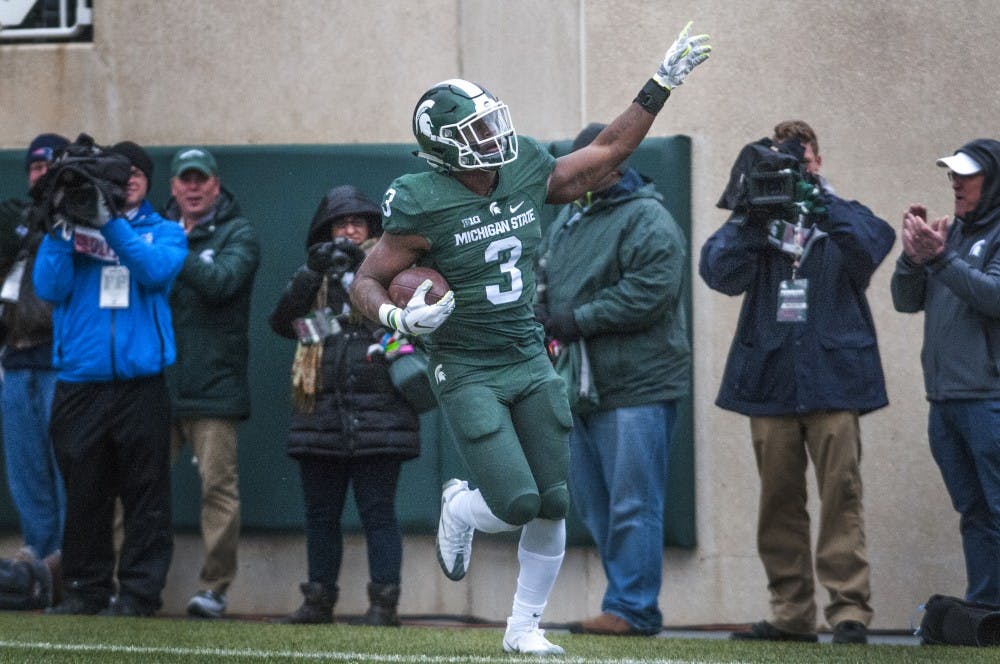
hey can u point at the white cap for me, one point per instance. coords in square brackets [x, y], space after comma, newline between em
[960, 163]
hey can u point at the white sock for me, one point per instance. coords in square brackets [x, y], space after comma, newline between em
[470, 507]
[535, 580]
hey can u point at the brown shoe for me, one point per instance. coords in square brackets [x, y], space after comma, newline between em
[606, 624]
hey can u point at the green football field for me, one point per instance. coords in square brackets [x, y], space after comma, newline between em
[34, 637]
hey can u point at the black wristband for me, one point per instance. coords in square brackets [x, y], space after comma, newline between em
[652, 97]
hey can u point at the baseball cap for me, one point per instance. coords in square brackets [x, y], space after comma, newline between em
[198, 159]
[960, 163]
[43, 148]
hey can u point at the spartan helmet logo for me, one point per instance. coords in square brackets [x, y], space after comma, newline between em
[422, 119]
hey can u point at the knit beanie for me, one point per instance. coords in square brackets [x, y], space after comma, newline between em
[43, 148]
[136, 156]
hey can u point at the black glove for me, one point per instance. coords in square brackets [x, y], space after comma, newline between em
[563, 327]
[320, 257]
[349, 250]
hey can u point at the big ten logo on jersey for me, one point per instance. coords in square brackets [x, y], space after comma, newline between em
[471, 221]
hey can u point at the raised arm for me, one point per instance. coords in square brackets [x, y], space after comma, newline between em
[581, 171]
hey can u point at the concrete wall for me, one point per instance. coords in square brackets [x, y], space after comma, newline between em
[889, 87]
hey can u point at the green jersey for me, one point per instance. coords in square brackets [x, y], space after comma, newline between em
[485, 247]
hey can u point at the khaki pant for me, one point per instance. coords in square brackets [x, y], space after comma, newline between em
[783, 446]
[213, 442]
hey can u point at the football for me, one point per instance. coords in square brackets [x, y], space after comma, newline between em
[403, 284]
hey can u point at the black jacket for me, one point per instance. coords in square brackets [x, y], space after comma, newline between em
[25, 325]
[357, 411]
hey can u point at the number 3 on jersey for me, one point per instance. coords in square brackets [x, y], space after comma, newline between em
[493, 252]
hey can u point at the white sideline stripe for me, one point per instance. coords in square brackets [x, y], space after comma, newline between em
[288, 654]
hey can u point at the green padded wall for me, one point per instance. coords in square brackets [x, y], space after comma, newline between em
[278, 188]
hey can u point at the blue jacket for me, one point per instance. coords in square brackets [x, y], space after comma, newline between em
[95, 344]
[829, 362]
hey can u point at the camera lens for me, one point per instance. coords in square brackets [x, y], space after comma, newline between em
[340, 262]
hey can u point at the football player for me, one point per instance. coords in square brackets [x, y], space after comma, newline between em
[476, 219]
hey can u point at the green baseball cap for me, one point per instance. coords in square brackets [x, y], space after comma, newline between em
[198, 159]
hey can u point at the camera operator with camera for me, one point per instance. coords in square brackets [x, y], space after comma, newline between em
[107, 265]
[804, 364]
[349, 426]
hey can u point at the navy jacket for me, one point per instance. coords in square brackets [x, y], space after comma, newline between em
[829, 362]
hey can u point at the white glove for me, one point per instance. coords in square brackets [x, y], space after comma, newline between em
[418, 317]
[684, 55]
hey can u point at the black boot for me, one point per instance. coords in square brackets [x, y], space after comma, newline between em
[382, 613]
[317, 607]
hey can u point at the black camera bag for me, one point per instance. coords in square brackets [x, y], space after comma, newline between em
[955, 622]
[760, 157]
[80, 173]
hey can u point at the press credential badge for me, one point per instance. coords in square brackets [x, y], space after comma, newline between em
[792, 305]
[114, 287]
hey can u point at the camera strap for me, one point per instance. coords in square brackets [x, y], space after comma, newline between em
[790, 238]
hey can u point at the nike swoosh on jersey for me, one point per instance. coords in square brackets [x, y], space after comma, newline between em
[515, 208]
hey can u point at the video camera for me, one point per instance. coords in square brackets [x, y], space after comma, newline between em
[768, 182]
[82, 176]
[770, 188]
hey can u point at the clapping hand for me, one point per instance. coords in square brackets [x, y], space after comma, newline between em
[923, 241]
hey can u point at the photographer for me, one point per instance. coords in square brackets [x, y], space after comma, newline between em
[349, 425]
[110, 423]
[804, 364]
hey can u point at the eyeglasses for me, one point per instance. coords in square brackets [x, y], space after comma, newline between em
[958, 177]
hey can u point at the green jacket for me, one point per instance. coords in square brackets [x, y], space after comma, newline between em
[210, 303]
[620, 266]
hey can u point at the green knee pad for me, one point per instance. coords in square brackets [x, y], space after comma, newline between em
[555, 502]
[521, 509]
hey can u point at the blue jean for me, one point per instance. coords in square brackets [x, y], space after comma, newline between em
[32, 473]
[965, 442]
[618, 474]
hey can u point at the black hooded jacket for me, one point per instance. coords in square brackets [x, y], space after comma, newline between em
[986, 152]
[357, 411]
[959, 293]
